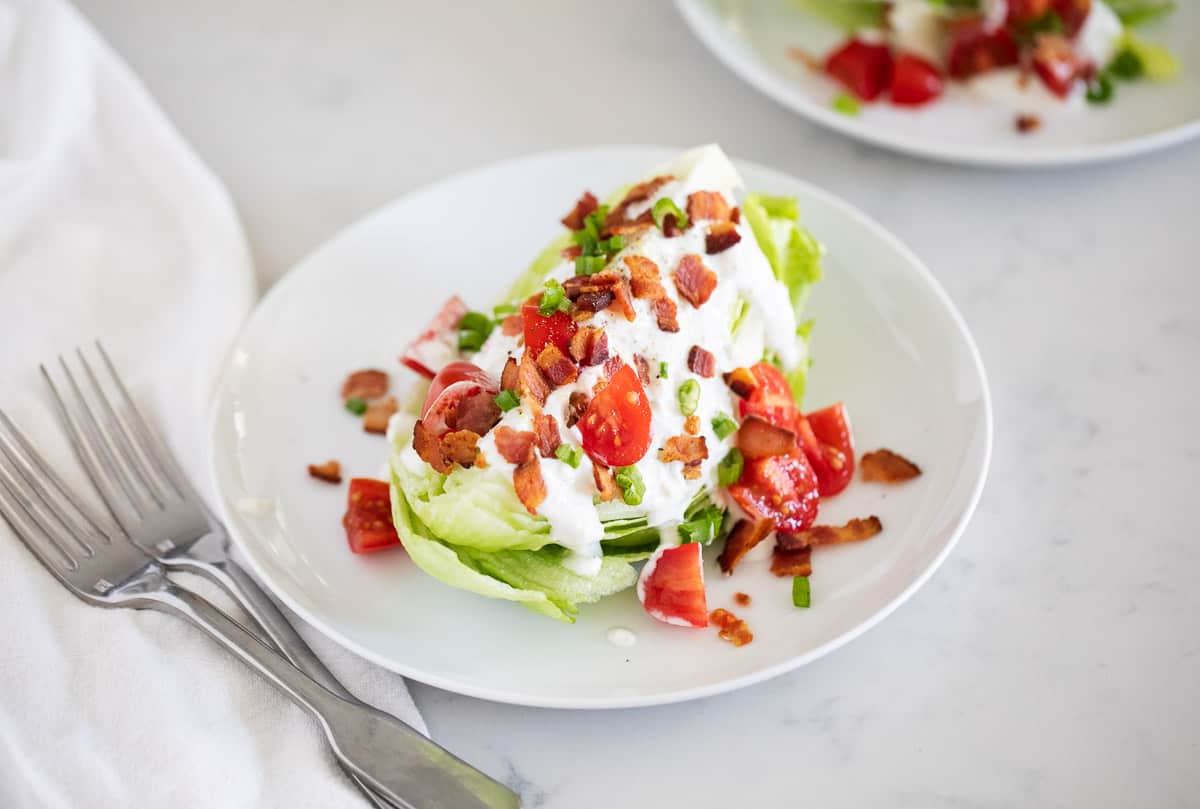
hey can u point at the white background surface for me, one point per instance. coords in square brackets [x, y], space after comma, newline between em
[1055, 659]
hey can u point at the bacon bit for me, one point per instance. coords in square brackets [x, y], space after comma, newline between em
[509, 377]
[639, 193]
[707, 205]
[670, 227]
[721, 237]
[695, 281]
[589, 346]
[514, 445]
[429, 448]
[595, 301]
[366, 384]
[644, 221]
[692, 471]
[527, 480]
[530, 383]
[545, 427]
[692, 425]
[614, 289]
[744, 536]
[576, 285]
[606, 482]
[375, 420]
[741, 599]
[623, 302]
[856, 530]
[330, 471]
[557, 366]
[511, 326]
[643, 368]
[731, 627]
[1027, 123]
[586, 205]
[576, 406]
[477, 413]
[612, 365]
[701, 362]
[667, 315]
[571, 253]
[807, 59]
[645, 281]
[759, 438]
[690, 449]
[791, 563]
[741, 381]
[885, 466]
[461, 447]
[735, 216]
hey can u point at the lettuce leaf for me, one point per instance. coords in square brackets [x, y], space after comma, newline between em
[848, 14]
[1158, 63]
[1138, 12]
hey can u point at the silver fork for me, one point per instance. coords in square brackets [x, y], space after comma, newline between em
[95, 557]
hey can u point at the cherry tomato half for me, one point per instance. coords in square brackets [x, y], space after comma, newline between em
[833, 456]
[771, 398]
[864, 68]
[368, 520]
[616, 425]
[915, 81]
[779, 487]
[671, 586]
[453, 383]
[540, 331]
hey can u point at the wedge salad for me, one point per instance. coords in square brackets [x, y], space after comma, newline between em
[634, 398]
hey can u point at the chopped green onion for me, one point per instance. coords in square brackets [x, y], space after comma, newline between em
[589, 265]
[662, 370]
[704, 527]
[667, 206]
[614, 245]
[689, 397]
[729, 470]
[507, 400]
[503, 310]
[847, 104]
[801, 595]
[723, 426]
[632, 485]
[554, 299]
[1100, 89]
[569, 455]
[1126, 65]
[473, 330]
[356, 405]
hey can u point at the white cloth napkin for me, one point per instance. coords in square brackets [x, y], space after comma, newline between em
[110, 227]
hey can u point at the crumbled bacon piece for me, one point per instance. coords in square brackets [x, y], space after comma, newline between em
[885, 466]
[607, 287]
[742, 599]
[429, 448]
[589, 346]
[670, 226]
[461, 447]
[366, 384]
[694, 281]
[1027, 123]
[643, 368]
[557, 366]
[759, 438]
[791, 562]
[692, 425]
[530, 383]
[643, 221]
[509, 377]
[595, 301]
[612, 365]
[741, 381]
[707, 205]
[692, 471]
[730, 627]
[477, 413]
[687, 448]
[744, 536]
[667, 315]
[856, 530]
[514, 445]
[807, 59]
[639, 193]
[735, 216]
[330, 471]
[375, 420]
[571, 252]
[586, 205]
[606, 482]
[577, 405]
[720, 237]
[527, 480]
[545, 427]
[701, 362]
[511, 326]
[645, 281]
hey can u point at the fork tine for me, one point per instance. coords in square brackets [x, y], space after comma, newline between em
[118, 436]
[152, 444]
[13, 504]
[91, 453]
[49, 486]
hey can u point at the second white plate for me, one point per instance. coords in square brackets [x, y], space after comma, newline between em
[887, 342]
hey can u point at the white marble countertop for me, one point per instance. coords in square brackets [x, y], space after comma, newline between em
[1055, 659]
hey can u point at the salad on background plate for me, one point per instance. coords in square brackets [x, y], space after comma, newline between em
[634, 399]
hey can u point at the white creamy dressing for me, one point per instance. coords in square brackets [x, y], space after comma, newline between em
[742, 271]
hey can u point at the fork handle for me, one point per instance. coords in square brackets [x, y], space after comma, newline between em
[389, 756]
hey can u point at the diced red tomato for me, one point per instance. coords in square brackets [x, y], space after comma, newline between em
[438, 344]
[453, 383]
[616, 425]
[368, 519]
[539, 330]
[864, 68]
[782, 488]
[1073, 13]
[976, 49]
[671, 586]
[1057, 64]
[832, 458]
[771, 398]
[915, 81]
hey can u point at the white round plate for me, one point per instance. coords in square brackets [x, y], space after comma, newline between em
[887, 341]
[751, 38]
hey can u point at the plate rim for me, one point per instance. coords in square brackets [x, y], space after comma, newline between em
[215, 426]
[767, 82]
